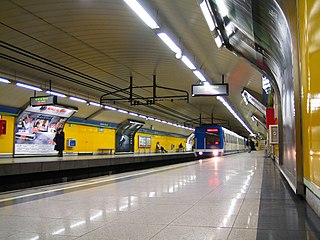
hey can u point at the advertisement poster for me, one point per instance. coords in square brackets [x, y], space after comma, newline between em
[144, 142]
[125, 135]
[36, 127]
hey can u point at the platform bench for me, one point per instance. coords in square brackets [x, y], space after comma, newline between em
[104, 150]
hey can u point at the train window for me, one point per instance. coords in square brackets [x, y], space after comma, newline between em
[212, 137]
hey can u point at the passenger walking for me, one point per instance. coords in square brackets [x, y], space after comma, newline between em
[59, 141]
[252, 146]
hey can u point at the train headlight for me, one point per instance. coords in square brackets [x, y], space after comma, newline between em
[215, 153]
[200, 153]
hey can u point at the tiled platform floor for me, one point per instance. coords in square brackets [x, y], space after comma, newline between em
[235, 197]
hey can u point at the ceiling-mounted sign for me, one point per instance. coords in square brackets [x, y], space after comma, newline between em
[43, 101]
[221, 89]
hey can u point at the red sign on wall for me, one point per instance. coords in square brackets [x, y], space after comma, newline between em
[270, 117]
[3, 127]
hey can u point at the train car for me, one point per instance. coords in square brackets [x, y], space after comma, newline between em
[217, 140]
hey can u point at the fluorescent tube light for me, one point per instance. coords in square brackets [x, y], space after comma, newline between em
[95, 104]
[207, 15]
[164, 121]
[226, 104]
[200, 76]
[229, 29]
[151, 118]
[167, 40]
[110, 108]
[188, 62]
[122, 111]
[4, 80]
[139, 10]
[143, 116]
[29, 87]
[157, 120]
[133, 114]
[222, 8]
[218, 41]
[253, 101]
[56, 94]
[78, 99]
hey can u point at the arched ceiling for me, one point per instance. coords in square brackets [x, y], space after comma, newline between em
[89, 48]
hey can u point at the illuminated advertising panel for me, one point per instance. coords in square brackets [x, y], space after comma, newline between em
[144, 142]
[36, 127]
[125, 135]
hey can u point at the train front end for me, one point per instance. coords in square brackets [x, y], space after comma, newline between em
[209, 141]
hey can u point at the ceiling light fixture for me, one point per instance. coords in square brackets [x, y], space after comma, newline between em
[95, 104]
[218, 41]
[168, 41]
[226, 104]
[122, 111]
[207, 15]
[56, 94]
[133, 114]
[188, 63]
[77, 99]
[253, 101]
[199, 76]
[29, 87]
[110, 108]
[139, 10]
[222, 8]
[4, 80]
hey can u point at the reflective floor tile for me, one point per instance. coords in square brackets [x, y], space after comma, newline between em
[35, 236]
[148, 217]
[242, 234]
[246, 221]
[204, 219]
[5, 234]
[192, 233]
[221, 203]
[74, 227]
[123, 231]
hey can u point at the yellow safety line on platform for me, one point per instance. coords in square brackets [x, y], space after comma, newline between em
[88, 184]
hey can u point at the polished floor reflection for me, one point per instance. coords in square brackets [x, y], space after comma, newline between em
[239, 196]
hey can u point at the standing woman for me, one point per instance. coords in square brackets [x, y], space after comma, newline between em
[59, 140]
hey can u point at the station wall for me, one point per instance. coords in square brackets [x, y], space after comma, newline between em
[6, 141]
[91, 138]
[309, 22]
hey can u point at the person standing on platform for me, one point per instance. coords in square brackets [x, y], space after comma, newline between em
[59, 140]
[252, 145]
[181, 148]
[158, 147]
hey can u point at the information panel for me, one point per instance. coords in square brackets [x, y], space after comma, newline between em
[43, 101]
[273, 133]
[221, 89]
